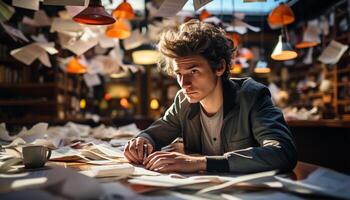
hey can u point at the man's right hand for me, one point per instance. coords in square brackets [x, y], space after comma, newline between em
[134, 150]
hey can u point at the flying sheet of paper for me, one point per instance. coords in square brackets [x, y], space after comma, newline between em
[92, 80]
[39, 38]
[197, 4]
[333, 52]
[65, 25]
[64, 2]
[29, 53]
[170, 8]
[135, 40]
[28, 4]
[107, 42]
[239, 23]
[40, 19]
[322, 181]
[213, 19]
[79, 47]
[14, 33]
[6, 11]
[308, 58]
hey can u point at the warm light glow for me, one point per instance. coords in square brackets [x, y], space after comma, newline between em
[261, 67]
[154, 105]
[124, 103]
[236, 68]
[124, 11]
[74, 67]
[235, 38]
[94, 14]
[82, 103]
[119, 29]
[283, 51]
[107, 97]
[145, 57]
[281, 15]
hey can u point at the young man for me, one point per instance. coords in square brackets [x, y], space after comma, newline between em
[230, 124]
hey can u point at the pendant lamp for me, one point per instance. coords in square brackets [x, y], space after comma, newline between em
[311, 36]
[281, 15]
[262, 68]
[94, 14]
[120, 29]
[145, 55]
[124, 11]
[283, 50]
[74, 67]
[204, 14]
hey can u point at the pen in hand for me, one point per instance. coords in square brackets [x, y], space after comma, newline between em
[145, 153]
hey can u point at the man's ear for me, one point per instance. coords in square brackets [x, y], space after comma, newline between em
[221, 68]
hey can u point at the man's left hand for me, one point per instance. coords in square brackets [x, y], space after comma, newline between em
[175, 162]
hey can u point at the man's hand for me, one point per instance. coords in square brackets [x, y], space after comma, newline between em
[134, 150]
[175, 162]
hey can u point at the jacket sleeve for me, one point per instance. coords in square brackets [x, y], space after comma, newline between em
[276, 149]
[164, 130]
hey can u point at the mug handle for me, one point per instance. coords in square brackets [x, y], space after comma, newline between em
[48, 153]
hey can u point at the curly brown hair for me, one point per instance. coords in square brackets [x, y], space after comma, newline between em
[196, 38]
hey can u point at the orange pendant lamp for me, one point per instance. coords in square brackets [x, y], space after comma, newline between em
[119, 29]
[281, 15]
[74, 67]
[204, 14]
[94, 14]
[124, 11]
[310, 36]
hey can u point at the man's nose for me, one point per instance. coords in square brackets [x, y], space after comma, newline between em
[185, 81]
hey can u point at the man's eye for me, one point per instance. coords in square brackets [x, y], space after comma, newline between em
[194, 71]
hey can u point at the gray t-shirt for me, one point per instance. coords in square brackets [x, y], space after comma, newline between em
[211, 128]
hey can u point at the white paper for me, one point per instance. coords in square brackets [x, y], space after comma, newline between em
[238, 179]
[64, 2]
[36, 132]
[39, 38]
[40, 19]
[92, 80]
[4, 134]
[6, 11]
[106, 42]
[80, 47]
[29, 53]
[65, 153]
[65, 25]
[322, 181]
[332, 53]
[197, 4]
[170, 8]
[28, 4]
[308, 58]
[124, 169]
[167, 181]
[240, 23]
[14, 33]
[135, 40]
[213, 19]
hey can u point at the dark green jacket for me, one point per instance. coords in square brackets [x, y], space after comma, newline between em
[254, 135]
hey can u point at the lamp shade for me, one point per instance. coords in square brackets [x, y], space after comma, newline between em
[281, 15]
[145, 57]
[94, 14]
[124, 11]
[283, 50]
[262, 68]
[119, 29]
[311, 36]
[74, 67]
[204, 14]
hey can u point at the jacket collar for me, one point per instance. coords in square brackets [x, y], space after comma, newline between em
[229, 89]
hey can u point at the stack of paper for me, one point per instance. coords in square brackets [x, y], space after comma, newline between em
[124, 169]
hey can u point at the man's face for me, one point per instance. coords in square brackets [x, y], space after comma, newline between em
[195, 77]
